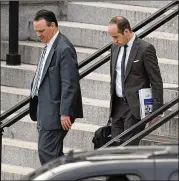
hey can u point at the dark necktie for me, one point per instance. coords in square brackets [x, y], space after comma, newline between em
[123, 68]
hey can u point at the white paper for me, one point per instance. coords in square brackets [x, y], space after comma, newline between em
[146, 103]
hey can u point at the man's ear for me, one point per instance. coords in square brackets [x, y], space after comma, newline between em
[126, 31]
[53, 25]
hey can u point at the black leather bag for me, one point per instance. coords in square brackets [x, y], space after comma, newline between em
[33, 108]
[102, 135]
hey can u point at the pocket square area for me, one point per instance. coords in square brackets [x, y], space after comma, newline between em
[136, 61]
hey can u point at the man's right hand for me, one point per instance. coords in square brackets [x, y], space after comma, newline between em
[65, 122]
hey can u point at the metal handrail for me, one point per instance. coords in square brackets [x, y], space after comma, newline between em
[14, 109]
[144, 121]
[96, 54]
[14, 119]
[151, 128]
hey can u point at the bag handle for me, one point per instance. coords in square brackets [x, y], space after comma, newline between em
[109, 121]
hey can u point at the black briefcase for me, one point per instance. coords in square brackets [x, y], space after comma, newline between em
[33, 108]
[102, 136]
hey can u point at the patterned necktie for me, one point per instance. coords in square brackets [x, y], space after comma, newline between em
[123, 68]
[38, 72]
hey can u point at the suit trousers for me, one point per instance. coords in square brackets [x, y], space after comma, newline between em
[50, 143]
[123, 119]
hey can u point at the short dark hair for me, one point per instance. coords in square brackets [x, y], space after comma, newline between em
[49, 16]
[121, 22]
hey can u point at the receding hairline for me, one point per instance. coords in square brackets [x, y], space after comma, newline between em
[117, 18]
[121, 22]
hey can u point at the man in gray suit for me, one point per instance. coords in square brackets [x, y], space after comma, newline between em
[56, 95]
[133, 66]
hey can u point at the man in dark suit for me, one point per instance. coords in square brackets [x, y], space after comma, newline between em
[133, 66]
[56, 95]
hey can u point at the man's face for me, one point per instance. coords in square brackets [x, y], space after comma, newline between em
[117, 38]
[44, 31]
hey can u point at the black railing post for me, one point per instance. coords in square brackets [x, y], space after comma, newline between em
[13, 58]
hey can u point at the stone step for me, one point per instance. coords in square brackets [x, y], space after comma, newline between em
[30, 53]
[96, 112]
[27, 11]
[80, 136]
[13, 172]
[99, 87]
[158, 140]
[78, 11]
[12, 75]
[24, 153]
[96, 36]
[95, 86]
[168, 67]
[153, 4]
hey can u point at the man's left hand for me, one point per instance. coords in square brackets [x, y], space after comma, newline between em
[155, 119]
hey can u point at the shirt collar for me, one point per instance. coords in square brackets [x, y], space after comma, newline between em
[50, 43]
[130, 42]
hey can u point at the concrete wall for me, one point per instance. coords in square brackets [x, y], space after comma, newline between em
[27, 12]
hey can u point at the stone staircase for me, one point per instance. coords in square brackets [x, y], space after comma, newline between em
[85, 25]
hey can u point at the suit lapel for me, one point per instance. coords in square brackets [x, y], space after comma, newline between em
[114, 60]
[49, 58]
[132, 56]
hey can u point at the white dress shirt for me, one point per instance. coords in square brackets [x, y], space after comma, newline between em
[118, 65]
[49, 46]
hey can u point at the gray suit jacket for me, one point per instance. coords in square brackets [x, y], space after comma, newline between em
[142, 71]
[59, 92]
